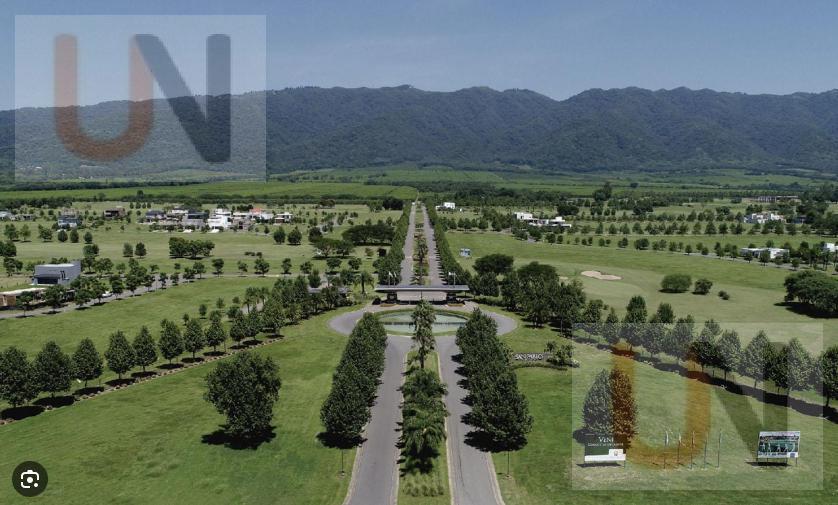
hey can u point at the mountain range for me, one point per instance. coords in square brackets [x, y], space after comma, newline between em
[630, 128]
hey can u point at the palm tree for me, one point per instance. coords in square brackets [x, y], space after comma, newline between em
[422, 432]
[423, 319]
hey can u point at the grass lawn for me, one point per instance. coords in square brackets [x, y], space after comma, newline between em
[128, 315]
[229, 245]
[437, 477]
[756, 292]
[144, 445]
[549, 466]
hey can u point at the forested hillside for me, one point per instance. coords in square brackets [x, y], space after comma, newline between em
[598, 129]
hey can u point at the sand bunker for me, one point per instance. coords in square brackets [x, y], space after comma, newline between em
[596, 274]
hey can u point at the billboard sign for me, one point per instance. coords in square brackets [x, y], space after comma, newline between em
[604, 449]
[778, 444]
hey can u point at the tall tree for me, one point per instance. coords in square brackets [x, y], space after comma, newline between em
[827, 374]
[245, 389]
[52, 369]
[171, 341]
[597, 415]
[729, 351]
[611, 328]
[635, 318]
[423, 318]
[87, 362]
[215, 334]
[18, 385]
[144, 348]
[756, 358]
[624, 405]
[120, 355]
[193, 337]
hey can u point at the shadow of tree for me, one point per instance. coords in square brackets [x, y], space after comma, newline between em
[333, 441]
[238, 442]
[56, 401]
[18, 413]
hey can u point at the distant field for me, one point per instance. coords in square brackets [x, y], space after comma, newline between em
[258, 191]
[581, 183]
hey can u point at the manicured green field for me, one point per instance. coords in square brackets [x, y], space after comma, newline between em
[148, 444]
[230, 246]
[756, 291]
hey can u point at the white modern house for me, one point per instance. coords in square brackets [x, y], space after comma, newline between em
[830, 247]
[555, 222]
[755, 252]
[449, 205]
[218, 222]
[283, 217]
[763, 217]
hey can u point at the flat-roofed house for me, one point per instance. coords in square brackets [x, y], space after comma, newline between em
[755, 252]
[56, 273]
[283, 217]
[114, 213]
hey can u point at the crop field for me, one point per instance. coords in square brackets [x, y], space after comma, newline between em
[234, 190]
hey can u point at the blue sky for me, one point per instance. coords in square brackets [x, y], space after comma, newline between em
[558, 48]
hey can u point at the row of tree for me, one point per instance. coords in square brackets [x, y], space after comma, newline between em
[499, 411]
[347, 407]
[389, 267]
[447, 260]
[788, 366]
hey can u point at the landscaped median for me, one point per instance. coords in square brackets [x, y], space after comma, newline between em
[423, 463]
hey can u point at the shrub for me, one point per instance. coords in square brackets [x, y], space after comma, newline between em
[724, 295]
[702, 286]
[676, 283]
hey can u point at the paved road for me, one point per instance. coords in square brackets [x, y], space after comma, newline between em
[407, 262]
[471, 472]
[375, 478]
[434, 270]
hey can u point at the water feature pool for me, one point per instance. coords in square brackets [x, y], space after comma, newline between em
[400, 323]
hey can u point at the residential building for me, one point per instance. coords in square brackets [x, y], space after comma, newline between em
[57, 273]
[154, 215]
[218, 222]
[447, 206]
[756, 252]
[5, 215]
[557, 221]
[830, 247]
[8, 299]
[283, 217]
[114, 213]
[67, 222]
[763, 217]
